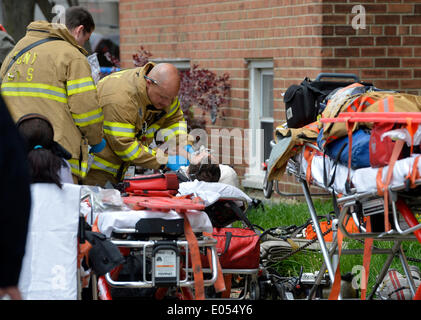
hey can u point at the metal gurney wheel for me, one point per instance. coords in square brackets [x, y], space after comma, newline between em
[267, 186]
[254, 289]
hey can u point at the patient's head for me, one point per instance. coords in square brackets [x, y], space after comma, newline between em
[42, 151]
[205, 170]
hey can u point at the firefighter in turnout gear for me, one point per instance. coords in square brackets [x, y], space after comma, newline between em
[53, 78]
[141, 109]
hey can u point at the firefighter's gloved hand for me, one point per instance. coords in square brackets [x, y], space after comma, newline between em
[175, 162]
[98, 147]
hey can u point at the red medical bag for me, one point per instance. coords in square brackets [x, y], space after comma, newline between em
[237, 248]
[381, 150]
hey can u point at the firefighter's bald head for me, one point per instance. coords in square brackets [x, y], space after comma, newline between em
[163, 84]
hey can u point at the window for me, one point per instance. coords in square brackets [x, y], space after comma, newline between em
[260, 131]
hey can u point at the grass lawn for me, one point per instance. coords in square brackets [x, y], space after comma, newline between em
[287, 214]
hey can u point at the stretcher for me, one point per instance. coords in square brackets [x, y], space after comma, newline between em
[120, 223]
[362, 202]
[382, 202]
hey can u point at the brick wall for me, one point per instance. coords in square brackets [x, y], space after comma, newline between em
[303, 37]
[387, 52]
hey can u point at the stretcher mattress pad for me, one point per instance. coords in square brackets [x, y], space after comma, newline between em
[363, 180]
[110, 220]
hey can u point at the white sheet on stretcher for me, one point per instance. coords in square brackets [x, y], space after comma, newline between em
[211, 192]
[49, 267]
[364, 179]
[110, 220]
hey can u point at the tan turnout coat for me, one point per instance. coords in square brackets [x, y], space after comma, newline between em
[54, 79]
[131, 124]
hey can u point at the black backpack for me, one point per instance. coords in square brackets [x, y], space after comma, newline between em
[302, 103]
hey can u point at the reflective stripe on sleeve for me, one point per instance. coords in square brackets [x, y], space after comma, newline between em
[119, 129]
[174, 130]
[88, 118]
[173, 108]
[133, 151]
[150, 132]
[76, 170]
[38, 90]
[80, 85]
[101, 164]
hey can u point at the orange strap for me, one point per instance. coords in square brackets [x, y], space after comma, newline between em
[336, 286]
[84, 248]
[349, 129]
[308, 156]
[219, 283]
[382, 187]
[412, 128]
[228, 282]
[196, 263]
[379, 181]
[368, 248]
[414, 175]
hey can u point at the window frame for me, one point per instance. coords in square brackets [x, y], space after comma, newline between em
[254, 175]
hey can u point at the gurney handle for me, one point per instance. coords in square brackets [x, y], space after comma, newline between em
[337, 75]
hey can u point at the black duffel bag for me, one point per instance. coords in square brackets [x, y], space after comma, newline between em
[104, 255]
[302, 102]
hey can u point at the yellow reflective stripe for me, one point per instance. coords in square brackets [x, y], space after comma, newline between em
[130, 153]
[149, 150]
[181, 124]
[34, 85]
[80, 85]
[175, 133]
[119, 124]
[101, 164]
[173, 108]
[76, 170]
[119, 129]
[173, 130]
[38, 90]
[150, 132]
[88, 118]
[79, 81]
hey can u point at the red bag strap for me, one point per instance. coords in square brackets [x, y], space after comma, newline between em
[382, 187]
[196, 262]
[220, 284]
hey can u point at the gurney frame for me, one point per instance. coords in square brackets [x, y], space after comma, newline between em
[330, 256]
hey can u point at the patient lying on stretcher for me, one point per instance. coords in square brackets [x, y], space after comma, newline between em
[209, 171]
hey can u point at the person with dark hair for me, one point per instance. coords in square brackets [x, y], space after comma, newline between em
[209, 172]
[15, 199]
[205, 168]
[80, 24]
[202, 169]
[47, 159]
[47, 72]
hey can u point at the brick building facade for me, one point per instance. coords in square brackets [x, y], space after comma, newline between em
[267, 45]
